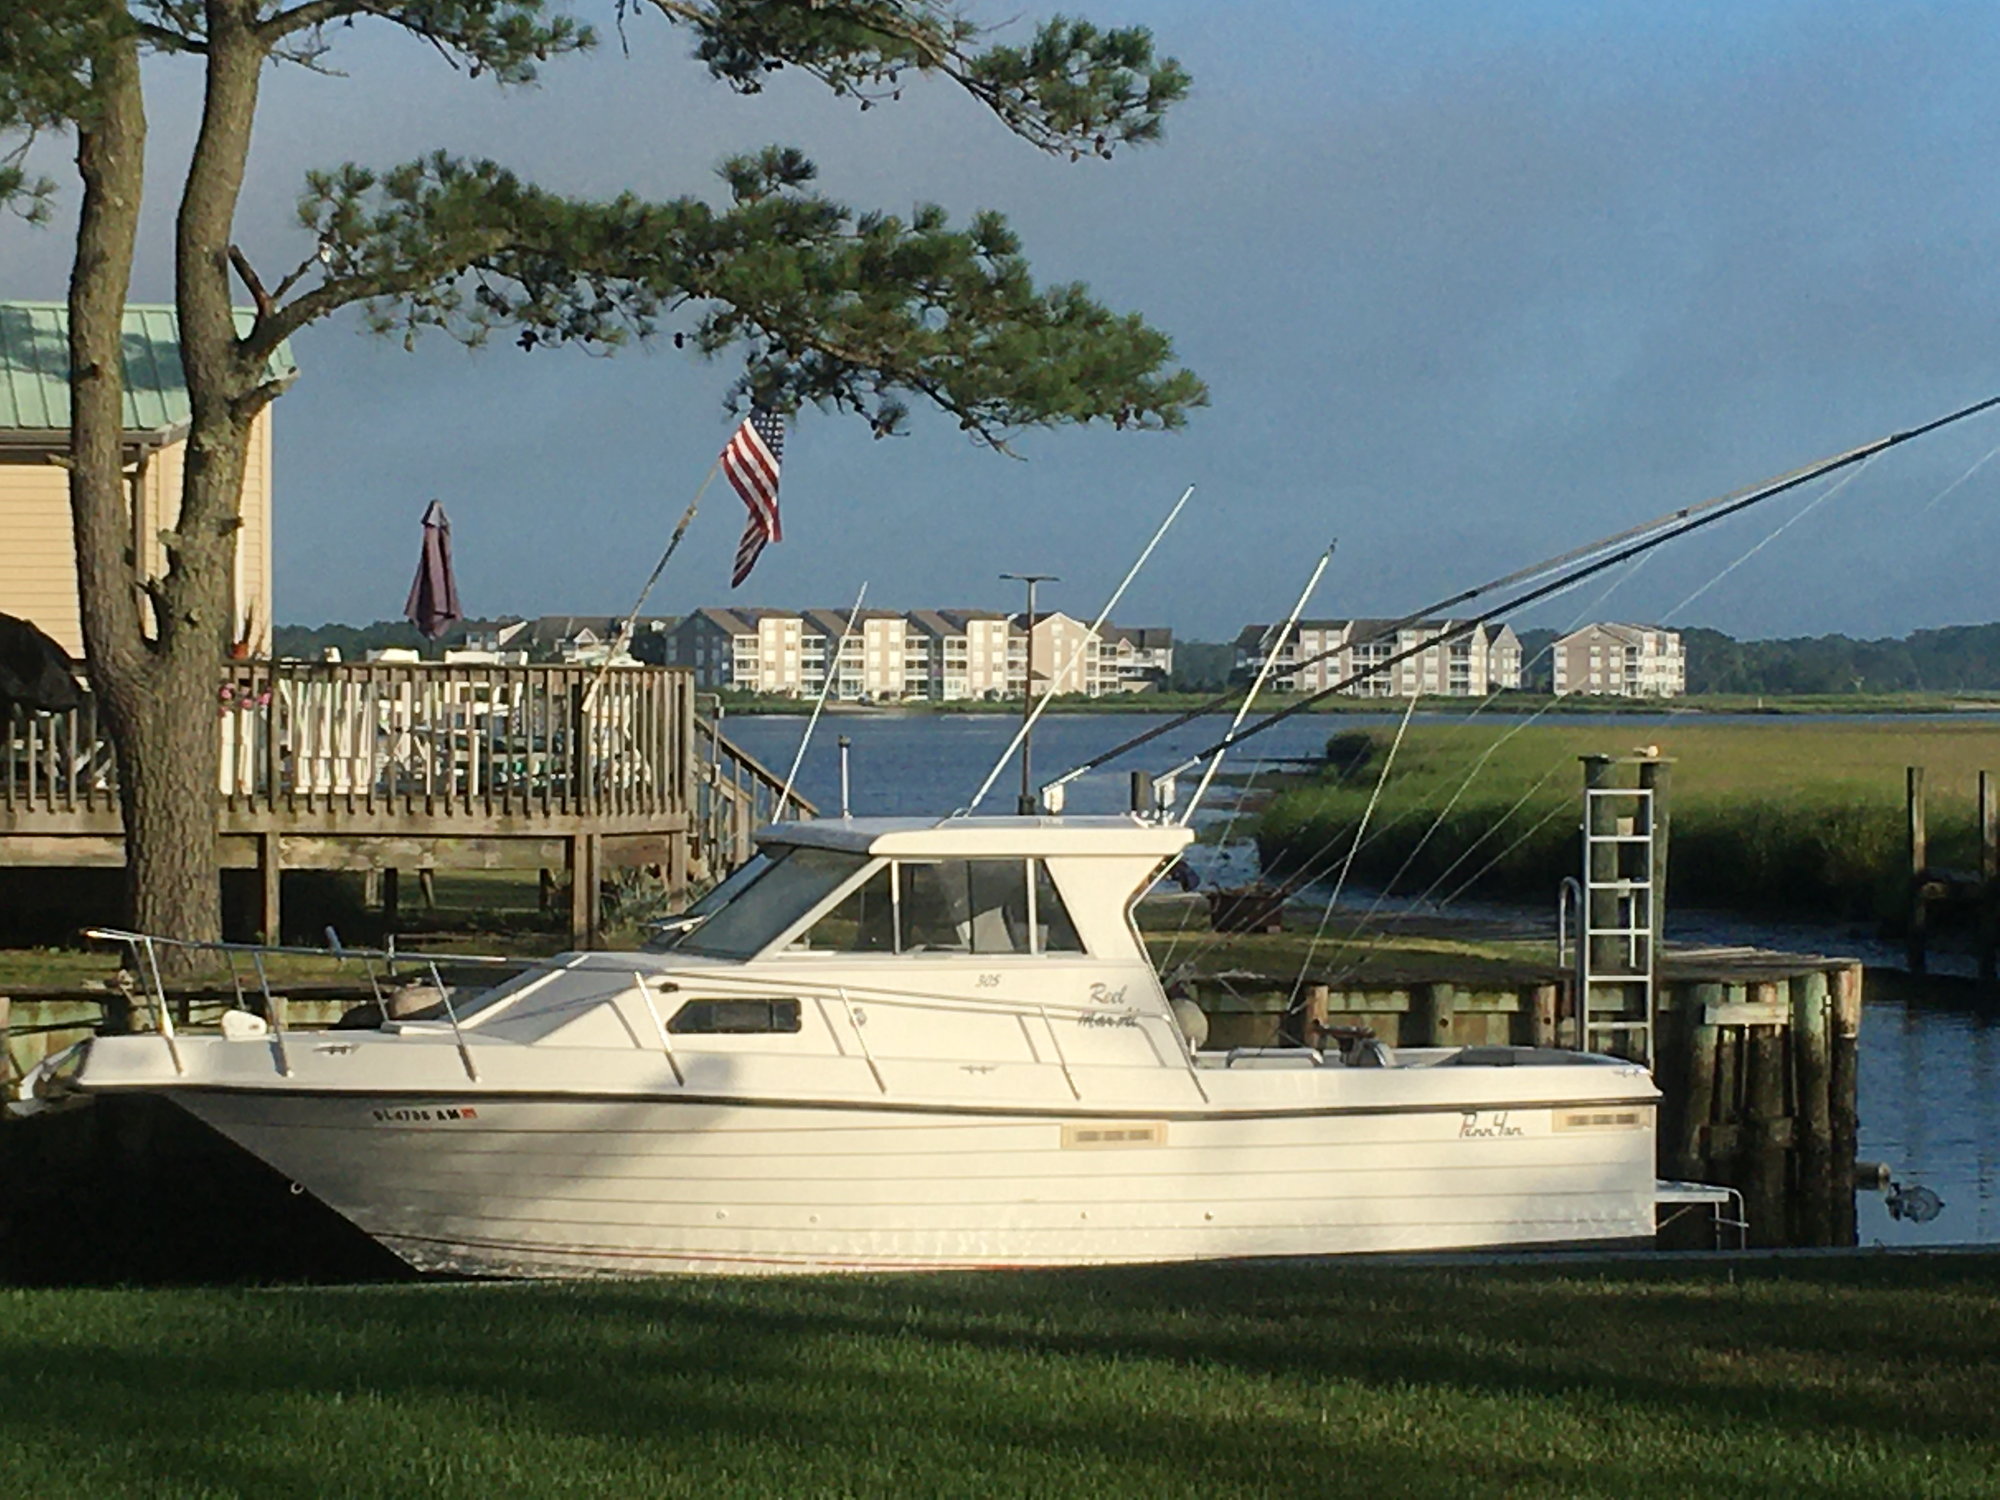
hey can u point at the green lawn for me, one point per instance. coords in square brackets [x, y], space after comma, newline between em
[1851, 1378]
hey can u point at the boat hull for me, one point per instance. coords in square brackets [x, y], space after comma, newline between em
[562, 1186]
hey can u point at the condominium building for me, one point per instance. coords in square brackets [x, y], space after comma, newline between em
[1135, 658]
[1055, 654]
[944, 655]
[742, 650]
[1317, 654]
[1623, 661]
[956, 655]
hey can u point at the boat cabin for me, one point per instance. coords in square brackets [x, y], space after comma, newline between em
[896, 888]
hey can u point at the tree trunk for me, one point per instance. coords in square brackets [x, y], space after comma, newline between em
[158, 680]
[136, 702]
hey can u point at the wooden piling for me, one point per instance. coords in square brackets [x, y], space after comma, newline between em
[1767, 1132]
[1436, 1005]
[1989, 879]
[1303, 1021]
[1317, 998]
[1819, 1177]
[1543, 1025]
[8, 1072]
[1914, 945]
[1697, 1102]
[1844, 995]
[1656, 776]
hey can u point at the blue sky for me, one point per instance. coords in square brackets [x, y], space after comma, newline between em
[1470, 284]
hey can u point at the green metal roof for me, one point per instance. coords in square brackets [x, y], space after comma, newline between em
[34, 367]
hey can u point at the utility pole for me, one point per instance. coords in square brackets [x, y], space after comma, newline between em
[1029, 804]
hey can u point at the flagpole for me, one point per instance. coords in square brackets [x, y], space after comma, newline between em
[624, 631]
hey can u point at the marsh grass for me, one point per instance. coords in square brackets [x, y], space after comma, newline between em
[1851, 1378]
[1791, 818]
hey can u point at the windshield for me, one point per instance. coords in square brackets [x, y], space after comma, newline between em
[748, 919]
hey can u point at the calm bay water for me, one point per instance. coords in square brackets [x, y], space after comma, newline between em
[1930, 1055]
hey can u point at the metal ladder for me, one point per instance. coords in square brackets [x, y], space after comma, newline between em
[1615, 951]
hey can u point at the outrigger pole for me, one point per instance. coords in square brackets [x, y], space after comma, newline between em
[825, 685]
[1606, 552]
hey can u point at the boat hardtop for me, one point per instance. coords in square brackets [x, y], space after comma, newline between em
[1098, 834]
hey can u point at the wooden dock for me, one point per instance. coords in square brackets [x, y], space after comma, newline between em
[384, 767]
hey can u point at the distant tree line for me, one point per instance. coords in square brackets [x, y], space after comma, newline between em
[309, 642]
[1957, 659]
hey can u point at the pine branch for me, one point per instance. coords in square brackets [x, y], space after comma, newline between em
[1073, 88]
[826, 307]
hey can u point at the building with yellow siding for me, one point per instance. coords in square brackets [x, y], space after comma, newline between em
[37, 553]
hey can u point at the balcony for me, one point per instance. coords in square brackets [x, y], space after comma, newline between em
[387, 765]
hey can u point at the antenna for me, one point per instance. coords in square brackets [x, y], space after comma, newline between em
[1028, 722]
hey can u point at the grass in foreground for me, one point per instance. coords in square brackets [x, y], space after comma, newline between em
[1855, 1378]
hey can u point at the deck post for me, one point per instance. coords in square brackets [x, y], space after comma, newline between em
[585, 858]
[1915, 953]
[392, 895]
[270, 876]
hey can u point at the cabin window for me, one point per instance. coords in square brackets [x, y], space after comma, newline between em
[1054, 932]
[864, 922]
[981, 906]
[933, 908]
[763, 910]
[735, 1017]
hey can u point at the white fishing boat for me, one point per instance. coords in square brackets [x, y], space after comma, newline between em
[902, 1044]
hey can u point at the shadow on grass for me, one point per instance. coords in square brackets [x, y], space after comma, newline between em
[1856, 1378]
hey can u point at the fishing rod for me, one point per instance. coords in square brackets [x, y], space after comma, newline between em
[1096, 627]
[1263, 672]
[1654, 533]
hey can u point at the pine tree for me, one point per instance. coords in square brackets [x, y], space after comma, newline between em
[856, 312]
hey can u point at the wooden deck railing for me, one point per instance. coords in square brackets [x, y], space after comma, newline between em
[430, 748]
[735, 796]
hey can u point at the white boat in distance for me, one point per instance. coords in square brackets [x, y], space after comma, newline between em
[893, 1044]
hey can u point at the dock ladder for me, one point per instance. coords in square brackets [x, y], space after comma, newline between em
[1624, 879]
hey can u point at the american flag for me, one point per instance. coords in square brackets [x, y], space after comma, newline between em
[750, 459]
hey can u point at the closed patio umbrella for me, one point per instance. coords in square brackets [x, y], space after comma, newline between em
[433, 604]
[35, 672]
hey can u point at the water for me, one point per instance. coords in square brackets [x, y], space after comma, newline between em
[1930, 1111]
[923, 763]
[1930, 1056]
